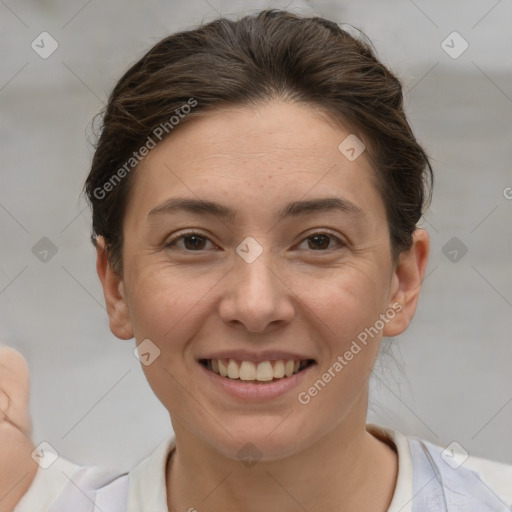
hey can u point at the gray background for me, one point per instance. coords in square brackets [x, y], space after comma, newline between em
[449, 376]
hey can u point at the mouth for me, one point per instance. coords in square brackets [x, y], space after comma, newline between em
[262, 372]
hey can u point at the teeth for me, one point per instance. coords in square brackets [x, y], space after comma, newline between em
[279, 369]
[264, 371]
[249, 371]
[233, 372]
[223, 370]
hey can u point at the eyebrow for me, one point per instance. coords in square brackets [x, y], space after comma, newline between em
[293, 209]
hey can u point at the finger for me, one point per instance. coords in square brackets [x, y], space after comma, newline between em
[4, 404]
[15, 389]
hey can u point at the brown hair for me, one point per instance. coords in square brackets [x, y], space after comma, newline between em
[274, 54]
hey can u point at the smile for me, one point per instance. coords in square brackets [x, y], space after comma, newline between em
[264, 371]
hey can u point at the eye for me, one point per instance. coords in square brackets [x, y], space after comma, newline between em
[320, 241]
[193, 242]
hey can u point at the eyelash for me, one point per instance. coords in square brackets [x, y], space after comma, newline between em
[176, 239]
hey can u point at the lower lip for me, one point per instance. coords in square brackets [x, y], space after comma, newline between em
[256, 392]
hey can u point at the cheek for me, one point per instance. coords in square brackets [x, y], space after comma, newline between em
[347, 310]
[163, 301]
[349, 301]
[164, 308]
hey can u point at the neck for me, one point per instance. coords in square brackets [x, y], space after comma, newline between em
[346, 470]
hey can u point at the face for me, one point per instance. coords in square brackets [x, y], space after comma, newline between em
[250, 237]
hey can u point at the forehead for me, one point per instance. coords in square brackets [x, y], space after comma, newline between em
[261, 155]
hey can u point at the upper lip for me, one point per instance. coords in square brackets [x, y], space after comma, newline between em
[256, 357]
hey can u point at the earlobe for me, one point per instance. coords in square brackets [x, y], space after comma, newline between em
[407, 281]
[113, 290]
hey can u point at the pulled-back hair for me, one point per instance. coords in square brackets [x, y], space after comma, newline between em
[273, 55]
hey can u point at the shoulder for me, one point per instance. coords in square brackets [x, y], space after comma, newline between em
[448, 478]
[478, 478]
[475, 475]
[64, 486]
[497, 475]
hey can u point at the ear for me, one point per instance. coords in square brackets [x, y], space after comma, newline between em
[113, 290]
[406, 283]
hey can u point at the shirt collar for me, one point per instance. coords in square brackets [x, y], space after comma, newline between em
[148, 487]
[403, 493]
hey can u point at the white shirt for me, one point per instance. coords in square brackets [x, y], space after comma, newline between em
[429, 480]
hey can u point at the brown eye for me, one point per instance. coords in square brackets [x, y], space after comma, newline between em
[192, 242]
[321, 241]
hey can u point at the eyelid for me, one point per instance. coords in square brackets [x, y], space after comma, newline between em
[177, 238]
[340, 241]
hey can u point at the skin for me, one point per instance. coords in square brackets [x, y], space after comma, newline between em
[296, 296]
[17, 468]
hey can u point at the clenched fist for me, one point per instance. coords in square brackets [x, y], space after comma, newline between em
[17, 468]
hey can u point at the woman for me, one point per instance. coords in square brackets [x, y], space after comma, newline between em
[255, 194]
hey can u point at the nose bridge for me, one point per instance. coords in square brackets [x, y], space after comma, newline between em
[256, 296]
[254, 269]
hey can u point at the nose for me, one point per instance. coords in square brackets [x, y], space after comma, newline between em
[257, 296]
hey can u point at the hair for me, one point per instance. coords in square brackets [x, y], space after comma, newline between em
[272, 55]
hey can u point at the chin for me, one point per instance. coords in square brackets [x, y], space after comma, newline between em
[260, 440]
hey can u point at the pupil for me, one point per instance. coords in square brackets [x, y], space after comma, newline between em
[322, 241]
[196, 245]
[325, 239]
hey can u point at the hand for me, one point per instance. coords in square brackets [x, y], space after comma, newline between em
[17, 468]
